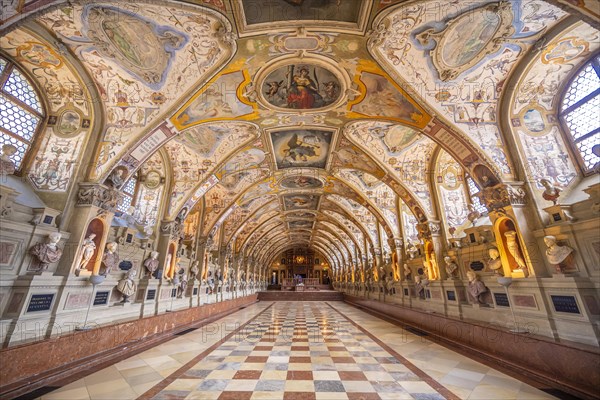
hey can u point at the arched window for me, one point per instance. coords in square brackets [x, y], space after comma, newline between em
[473, 191]
[579, 112]
[128, 191]
[21, 110]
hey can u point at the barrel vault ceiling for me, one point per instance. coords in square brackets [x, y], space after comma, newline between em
[287, 123]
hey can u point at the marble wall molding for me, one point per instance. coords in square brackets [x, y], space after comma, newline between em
[534, 357]
[22, 372]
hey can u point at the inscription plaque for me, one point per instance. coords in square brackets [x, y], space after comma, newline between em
[101, 298]
[566, 304]
[40, 302]
[501, 300]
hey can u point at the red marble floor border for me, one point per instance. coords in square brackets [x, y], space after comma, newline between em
[85, 366]
[175, 375]
[550, 383]
[441, 389]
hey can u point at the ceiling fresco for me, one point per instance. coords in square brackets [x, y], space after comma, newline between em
[335, 124]
[137, 57]
[299, 148]
[461, 75]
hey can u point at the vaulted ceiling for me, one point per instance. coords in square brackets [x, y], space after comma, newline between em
[290, 122]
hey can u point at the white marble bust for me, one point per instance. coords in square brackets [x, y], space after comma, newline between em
[555, 253]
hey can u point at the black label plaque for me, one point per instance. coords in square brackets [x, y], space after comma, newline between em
[556, 217]
[151, 295]
[125, 265]
[195, 291]
[406, 291]
[566, 304]
[451, 294]
[101, 298]
[501, 300]
[173, 292]
[40, 302]
[476, 266]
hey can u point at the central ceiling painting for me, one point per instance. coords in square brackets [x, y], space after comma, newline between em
[301, 182]
[301, 148]
[301, 87]
[284, 10]
[301, 202]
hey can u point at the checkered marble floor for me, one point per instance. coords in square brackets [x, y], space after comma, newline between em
[296, 350]
[305, 350]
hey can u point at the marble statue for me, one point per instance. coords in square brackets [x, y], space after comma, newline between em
[168, 264]
[551, 192]
[151, 263]
[426, 267]
[515, 251]
[110, 259]
[434, 267]
[375, 272]
[389, 284]
[473, 215]
[129, 216]
[412, 250]
[127, 286]
[47, 253]
[451, 267]
[7, 166]
[495, 263]
[395, 266]
[419, 287]
[555, 253]
[210, 281]
[88, 248]
[407, 270]
[117, 178]
[194, 270]
[476, 289]
[182, 286]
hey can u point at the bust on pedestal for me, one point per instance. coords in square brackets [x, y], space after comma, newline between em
[476, 289]
[110, 259]
[47, 253]
[558, 256]
[127, 286]
[7, 166]
[419, 287]
[451, 267]
[151, 263]
[495, 262]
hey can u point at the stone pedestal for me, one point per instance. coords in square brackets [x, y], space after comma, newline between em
[454, 297]
[31, 308]
[148, 288]
[559, 213]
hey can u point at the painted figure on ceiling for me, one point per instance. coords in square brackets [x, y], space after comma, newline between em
[303, 91]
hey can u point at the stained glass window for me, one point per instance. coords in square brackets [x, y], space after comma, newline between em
[580, 107]
[20, 110]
